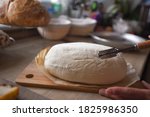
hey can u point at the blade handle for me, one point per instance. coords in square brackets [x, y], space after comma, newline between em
[143, 45]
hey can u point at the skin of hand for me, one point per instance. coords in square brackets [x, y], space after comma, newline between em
[127, 93]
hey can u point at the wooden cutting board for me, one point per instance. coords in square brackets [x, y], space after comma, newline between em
[33, 77]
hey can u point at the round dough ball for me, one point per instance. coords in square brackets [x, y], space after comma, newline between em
[79, 62]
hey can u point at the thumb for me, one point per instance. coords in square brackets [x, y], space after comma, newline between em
[128, 93]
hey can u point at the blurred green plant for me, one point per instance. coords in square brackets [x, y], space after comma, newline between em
[123, 8]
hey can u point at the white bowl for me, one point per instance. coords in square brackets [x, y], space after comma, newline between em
[82, 27]
[56, 30]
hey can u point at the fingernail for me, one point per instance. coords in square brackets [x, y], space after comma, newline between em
[144, 82]
[102, 91]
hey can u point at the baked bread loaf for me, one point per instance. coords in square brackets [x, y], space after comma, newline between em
[79, 62]
[8, 92]
[27, 13]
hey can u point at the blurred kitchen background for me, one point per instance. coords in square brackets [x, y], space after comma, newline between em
[121, 16]
[131, 16]
[112, 15]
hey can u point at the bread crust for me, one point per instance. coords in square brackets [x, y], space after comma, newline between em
[28, 13]
[3, 11]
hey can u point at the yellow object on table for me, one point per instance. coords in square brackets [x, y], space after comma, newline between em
[8, 92]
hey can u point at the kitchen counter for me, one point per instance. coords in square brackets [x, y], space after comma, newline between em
[15, 58]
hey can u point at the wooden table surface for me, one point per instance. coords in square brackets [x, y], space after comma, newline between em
[14, 59]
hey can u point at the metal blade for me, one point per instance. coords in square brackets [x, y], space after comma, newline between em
[108, 53]
[113, 52]
[108, 56]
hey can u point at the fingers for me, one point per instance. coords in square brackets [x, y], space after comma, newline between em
[125, 93]
[147, 85]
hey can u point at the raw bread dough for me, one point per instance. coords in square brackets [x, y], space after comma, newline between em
[79, 62]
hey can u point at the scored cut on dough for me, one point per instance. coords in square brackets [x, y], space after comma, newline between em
[79, 62]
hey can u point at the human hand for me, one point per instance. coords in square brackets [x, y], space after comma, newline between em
[127, 93]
